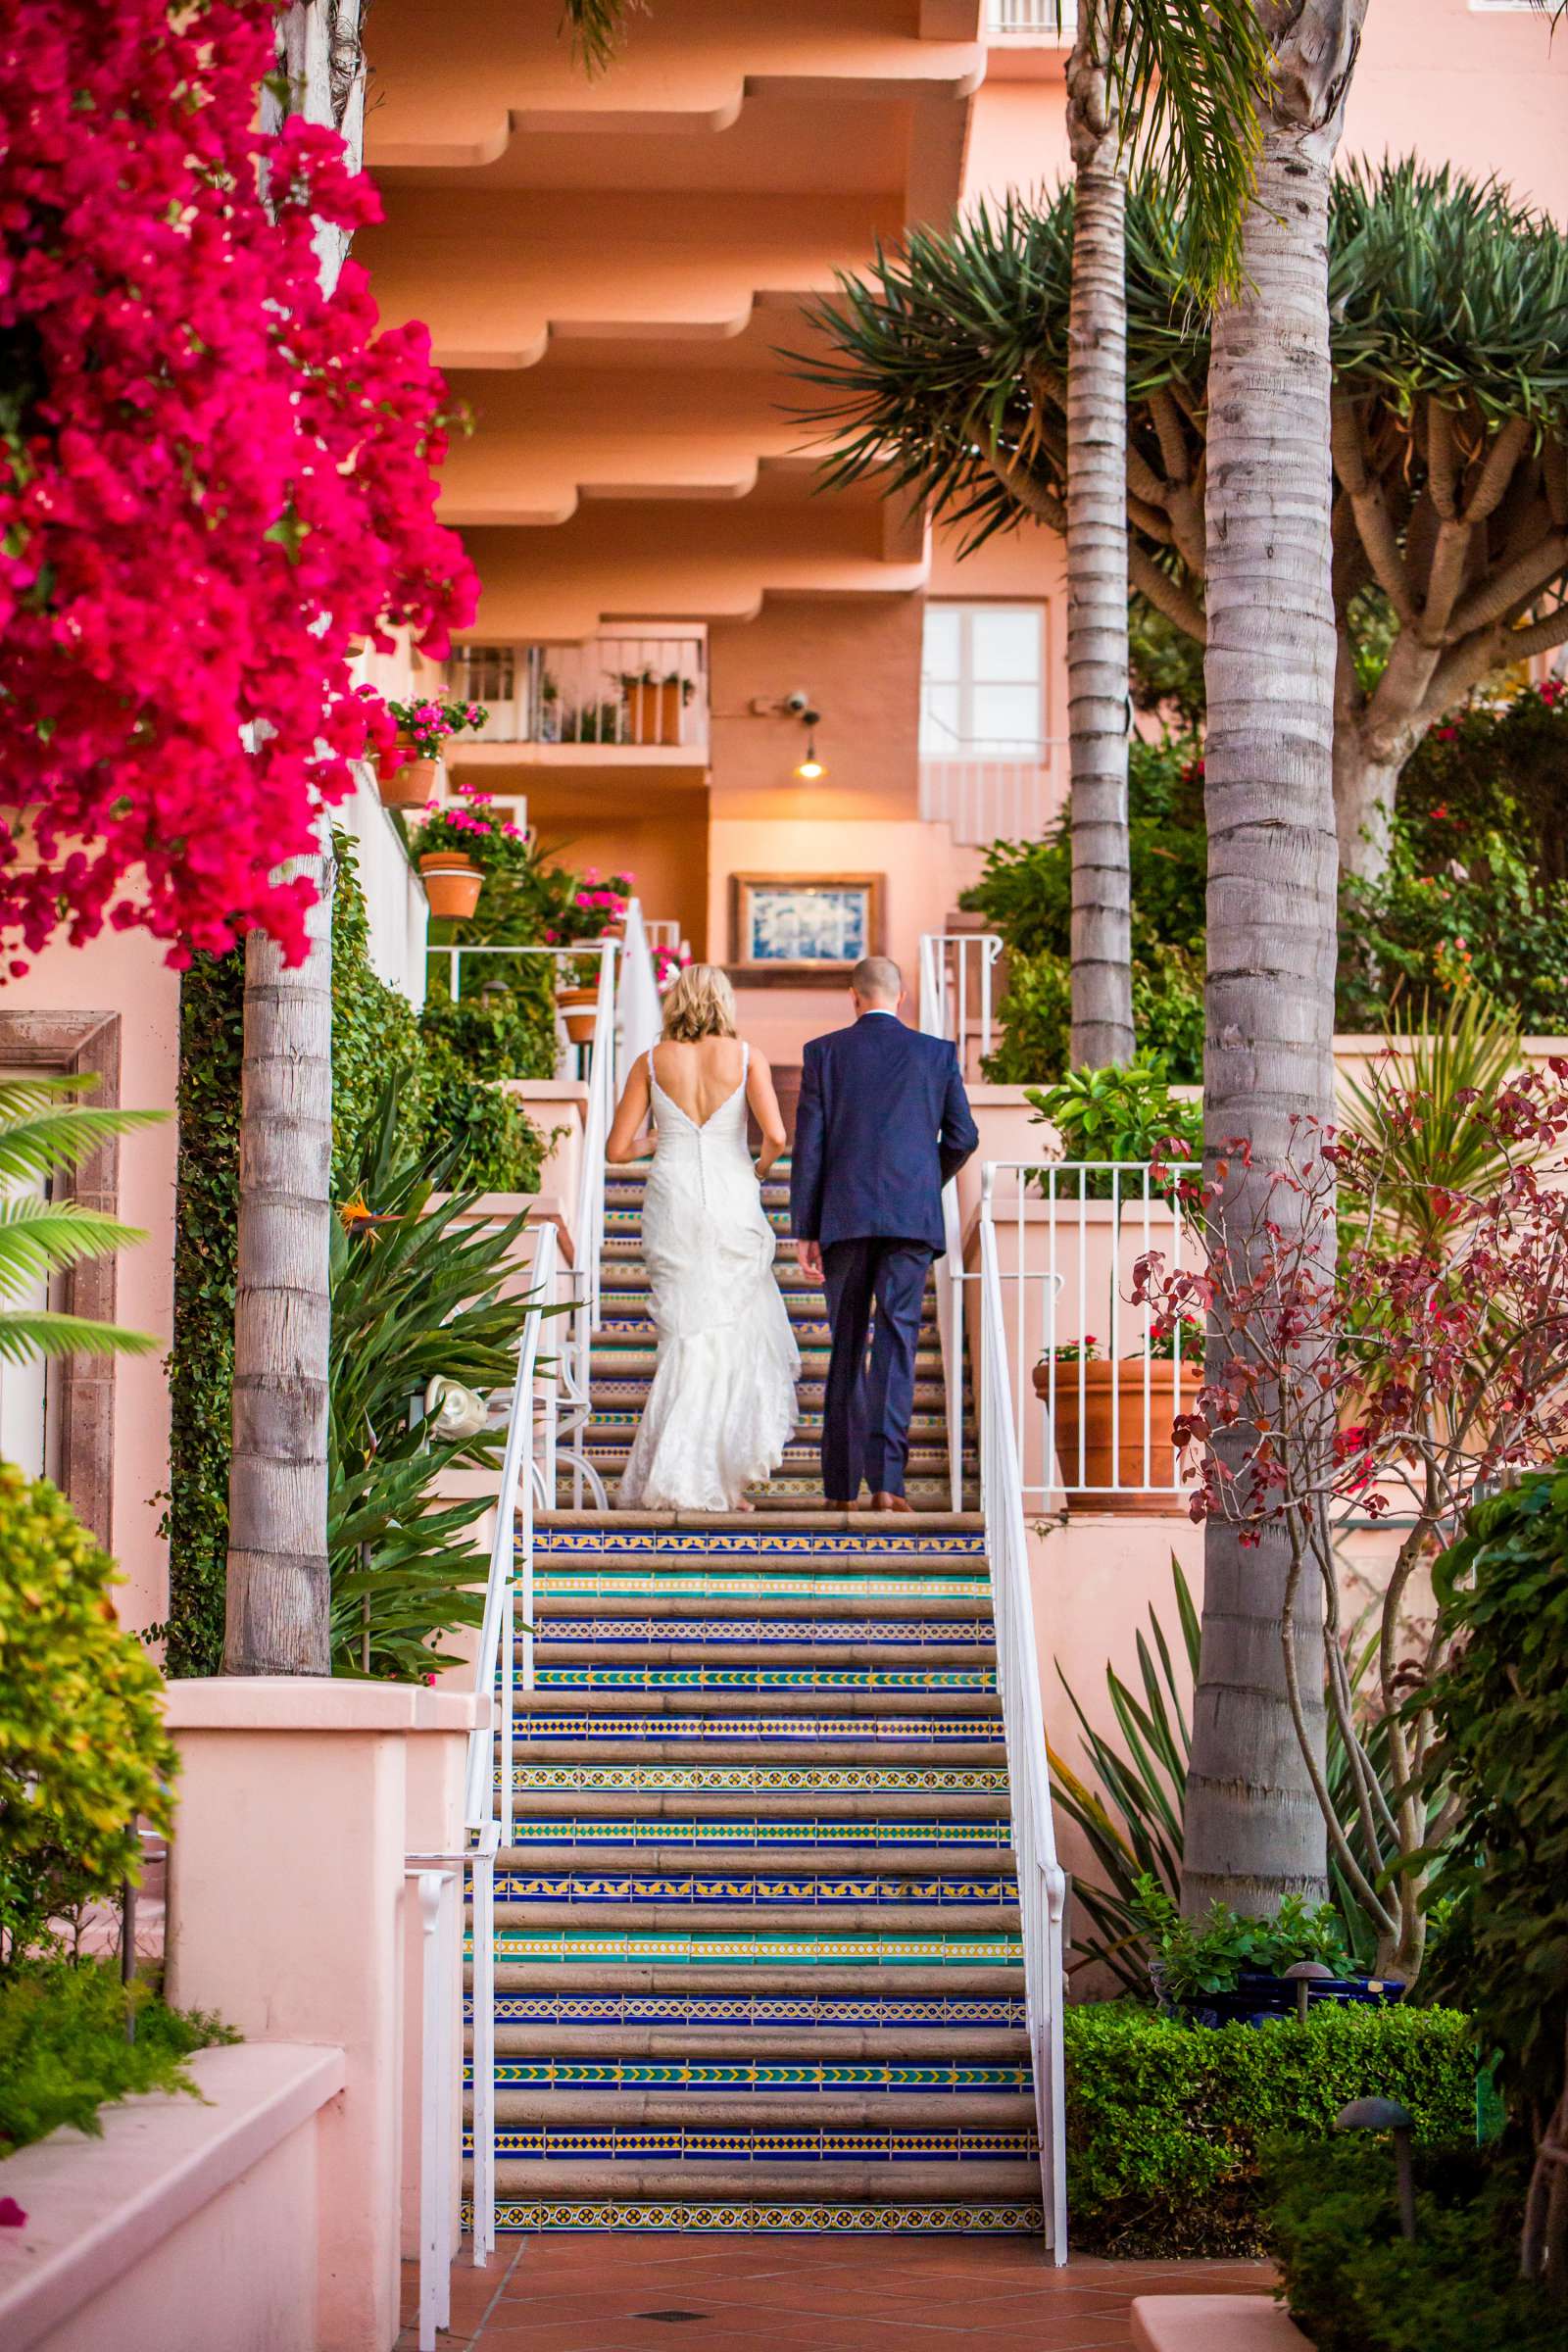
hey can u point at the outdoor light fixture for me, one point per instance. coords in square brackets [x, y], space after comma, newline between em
[1387, 2114]
[798, 705]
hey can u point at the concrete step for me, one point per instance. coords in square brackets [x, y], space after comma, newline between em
[830, 1532]
[870, 1745]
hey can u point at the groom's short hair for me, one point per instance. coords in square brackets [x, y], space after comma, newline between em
[877, 976]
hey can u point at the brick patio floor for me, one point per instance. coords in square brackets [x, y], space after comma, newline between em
[631, 2293]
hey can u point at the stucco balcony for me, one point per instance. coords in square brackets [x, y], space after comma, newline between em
[609, 702]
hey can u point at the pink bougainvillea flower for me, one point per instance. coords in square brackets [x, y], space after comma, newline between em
[214, 479]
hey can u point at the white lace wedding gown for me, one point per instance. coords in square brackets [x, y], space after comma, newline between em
[722, 1402]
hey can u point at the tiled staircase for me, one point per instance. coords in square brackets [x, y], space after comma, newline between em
[757, 1936]
[623, 1361]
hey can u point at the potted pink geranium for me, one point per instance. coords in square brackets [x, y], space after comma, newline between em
[423, 728]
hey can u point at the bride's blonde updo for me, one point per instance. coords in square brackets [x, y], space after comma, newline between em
[700, 1002]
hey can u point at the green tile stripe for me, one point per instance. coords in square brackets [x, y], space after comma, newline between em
[575, 1948]
[718, 2218]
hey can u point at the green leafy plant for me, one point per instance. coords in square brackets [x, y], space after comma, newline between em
[1168, 2123]
[64, 2052]
[1354, 2284]
[1192, 1957]
[82, 1746]
[628, 680]
[45, 1130]
[419, 1291]
[1127, 1115]
[1501, 1757]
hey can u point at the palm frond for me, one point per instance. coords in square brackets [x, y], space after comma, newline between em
[23, 1335]
[1189, 74]
[596, 28]
[43, 1127]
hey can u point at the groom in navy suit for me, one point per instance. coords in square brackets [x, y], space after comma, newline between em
[883, 1123]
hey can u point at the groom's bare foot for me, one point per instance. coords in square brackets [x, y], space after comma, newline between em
[890, 1503]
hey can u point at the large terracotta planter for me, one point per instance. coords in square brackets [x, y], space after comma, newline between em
[410, 785]
[1111, 1429]
[579, 1010]
[653, 711]
[452, 883]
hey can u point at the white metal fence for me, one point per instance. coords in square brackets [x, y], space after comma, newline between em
[955, 973]
[635, 692]
[1035, 23]
[1091, 1395]
[986, 799]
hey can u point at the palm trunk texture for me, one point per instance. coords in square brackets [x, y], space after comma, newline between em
[280, 1586]
[1254, 1833]
[1097, 563]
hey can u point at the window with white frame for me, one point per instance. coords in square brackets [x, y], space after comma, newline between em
[983, 682]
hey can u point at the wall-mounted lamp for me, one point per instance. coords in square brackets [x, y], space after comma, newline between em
[796, 705]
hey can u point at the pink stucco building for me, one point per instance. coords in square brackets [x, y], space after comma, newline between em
[610, 267]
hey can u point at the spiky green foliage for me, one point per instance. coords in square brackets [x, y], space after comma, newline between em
[944, 380]
[596, 28]
[1132, 1808]
[45, 1130]
[418, 1290]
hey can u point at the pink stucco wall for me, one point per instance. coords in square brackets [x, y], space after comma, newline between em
[124, 972]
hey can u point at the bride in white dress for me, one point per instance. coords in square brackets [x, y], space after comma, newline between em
[723, 1406]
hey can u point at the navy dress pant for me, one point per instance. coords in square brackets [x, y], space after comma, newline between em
[865, 1419]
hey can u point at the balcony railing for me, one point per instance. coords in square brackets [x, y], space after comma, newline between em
[627, 693]
[1032, 24]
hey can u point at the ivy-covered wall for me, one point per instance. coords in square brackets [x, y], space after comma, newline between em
[375, 1030]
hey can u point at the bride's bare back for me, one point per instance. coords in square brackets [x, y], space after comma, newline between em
[699, 1075]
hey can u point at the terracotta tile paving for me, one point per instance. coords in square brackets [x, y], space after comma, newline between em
[606, 2294]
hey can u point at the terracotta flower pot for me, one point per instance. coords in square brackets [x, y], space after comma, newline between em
[579, 1010]
[410, 785]
[1112, 1430]
[652, 710]
[452, 882]
[616, 930]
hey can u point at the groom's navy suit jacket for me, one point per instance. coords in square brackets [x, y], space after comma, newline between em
[882, 1124]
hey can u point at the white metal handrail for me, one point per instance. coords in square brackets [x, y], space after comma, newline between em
[487, 1784]
[945, 963]
[438, 1876]
[1042, 1886]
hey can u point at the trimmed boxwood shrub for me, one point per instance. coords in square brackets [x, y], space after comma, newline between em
[1354, 2284]
[1166, 2123]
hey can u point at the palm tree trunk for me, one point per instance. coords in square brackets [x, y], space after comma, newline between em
[278, 1598]
[1097, 562]
[1254, 1833]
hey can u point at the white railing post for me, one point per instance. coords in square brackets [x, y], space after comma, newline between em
[437, 1879]
[1042, 1886]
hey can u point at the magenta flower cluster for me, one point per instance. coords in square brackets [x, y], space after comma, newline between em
[215, 478]
[471, 816]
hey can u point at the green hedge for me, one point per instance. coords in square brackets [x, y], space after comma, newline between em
[1354, 2284]
[1166, 2123]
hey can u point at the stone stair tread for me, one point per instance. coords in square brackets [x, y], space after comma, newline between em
[766, 2045]
[974, 2181]
[896, 1611]
[848, 1654]
[926, 1923]
[936, 2111]
[814, 1979]
[930, 1753]
[709, 1705]
[587, 1860]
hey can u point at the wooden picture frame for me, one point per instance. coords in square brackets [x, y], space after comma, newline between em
[770, 919]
